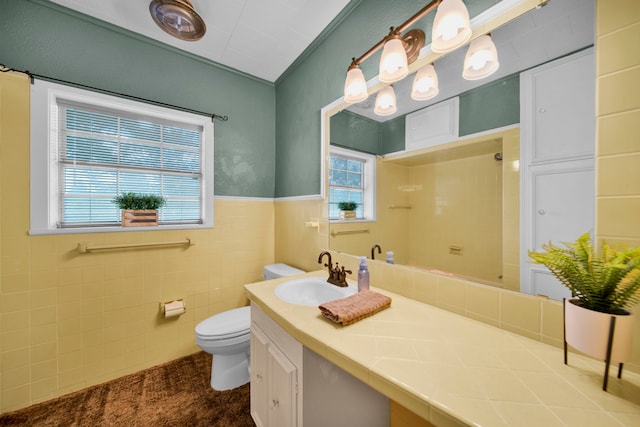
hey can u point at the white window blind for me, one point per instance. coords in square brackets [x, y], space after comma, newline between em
[105, 153]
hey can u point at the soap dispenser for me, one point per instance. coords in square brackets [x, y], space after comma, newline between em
[363, 274]
[390, 257]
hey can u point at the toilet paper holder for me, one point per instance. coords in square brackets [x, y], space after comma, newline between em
[172, 308]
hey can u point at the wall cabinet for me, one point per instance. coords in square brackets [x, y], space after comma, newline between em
[557, 161]
[433, 125]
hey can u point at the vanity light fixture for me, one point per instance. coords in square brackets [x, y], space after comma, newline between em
[451, 26]
[178, 18]
[425, 84]
[481, 59]
[355, 86]
[393, 65]
[385, 102]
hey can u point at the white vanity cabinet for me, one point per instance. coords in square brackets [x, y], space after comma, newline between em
[334, 397]
[276, 374]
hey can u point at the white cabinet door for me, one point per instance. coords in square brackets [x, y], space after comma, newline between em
[557, 162]
[259, 367]
[282, 389]
[433, 125]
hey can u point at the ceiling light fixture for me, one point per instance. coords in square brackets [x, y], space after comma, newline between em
[178, 18]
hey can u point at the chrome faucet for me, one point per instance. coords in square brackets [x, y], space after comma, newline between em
[337, 274]
[373, 255]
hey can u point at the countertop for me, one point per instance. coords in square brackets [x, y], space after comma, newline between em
[452, 370]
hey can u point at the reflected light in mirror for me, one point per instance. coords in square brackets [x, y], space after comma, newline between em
[481, 60]
[425, 84]
[385, 102]
[393, 62]
[451, 26]
[355, 86]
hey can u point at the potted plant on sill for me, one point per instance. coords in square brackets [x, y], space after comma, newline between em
[604, 286]
[347, 210]
[139, 209]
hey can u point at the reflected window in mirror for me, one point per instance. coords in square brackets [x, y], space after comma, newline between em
[352, 179]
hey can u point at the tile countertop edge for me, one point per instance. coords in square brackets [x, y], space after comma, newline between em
[323, 337]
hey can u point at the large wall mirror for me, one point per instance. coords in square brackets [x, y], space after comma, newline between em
[455, 207]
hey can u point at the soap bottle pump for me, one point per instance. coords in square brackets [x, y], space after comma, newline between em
[390, 257]
[363, 275]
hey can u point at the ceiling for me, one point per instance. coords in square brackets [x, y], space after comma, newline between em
[245, 34]
[241, 34]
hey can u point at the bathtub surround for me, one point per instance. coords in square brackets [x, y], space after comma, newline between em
[175, 393]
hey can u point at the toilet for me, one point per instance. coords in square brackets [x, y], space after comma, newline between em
[226, 337]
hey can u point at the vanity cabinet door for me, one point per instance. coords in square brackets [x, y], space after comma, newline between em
[282, 389]
[259, 367]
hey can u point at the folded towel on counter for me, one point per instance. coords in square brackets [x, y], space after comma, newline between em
[355, 307]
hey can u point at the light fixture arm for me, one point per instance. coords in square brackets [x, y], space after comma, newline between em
[396, 30]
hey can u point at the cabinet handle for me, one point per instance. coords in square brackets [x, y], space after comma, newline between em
[259, 376]
[275, 403]
[542, 110]
[541, 211]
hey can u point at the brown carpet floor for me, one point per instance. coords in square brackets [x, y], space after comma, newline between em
[177, 393]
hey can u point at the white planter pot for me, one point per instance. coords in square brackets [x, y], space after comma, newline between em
[588, 331]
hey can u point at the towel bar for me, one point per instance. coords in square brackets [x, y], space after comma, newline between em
[84, 247]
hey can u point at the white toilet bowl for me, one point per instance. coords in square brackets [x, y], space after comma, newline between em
[226, 337]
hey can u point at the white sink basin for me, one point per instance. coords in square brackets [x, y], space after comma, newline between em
[311, 291]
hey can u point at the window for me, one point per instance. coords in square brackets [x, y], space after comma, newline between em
[86, 148]
[351, 179]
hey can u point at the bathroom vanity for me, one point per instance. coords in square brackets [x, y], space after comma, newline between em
[283, 371]
[445, 368]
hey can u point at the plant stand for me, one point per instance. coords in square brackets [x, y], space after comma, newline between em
[597, 339]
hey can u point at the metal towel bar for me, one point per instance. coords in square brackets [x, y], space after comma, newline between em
[354, 231]
[84, 247]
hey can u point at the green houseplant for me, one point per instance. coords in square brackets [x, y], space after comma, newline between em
[607, 281]
[604, 285]
[347, 210]
[139, 209]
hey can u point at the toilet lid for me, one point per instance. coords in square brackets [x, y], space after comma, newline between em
[228, 324]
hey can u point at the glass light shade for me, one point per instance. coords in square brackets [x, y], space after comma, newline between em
[481, 59]
[385, 102]
[451, 26]
[393, 62]
[355, 87]
[425, 84]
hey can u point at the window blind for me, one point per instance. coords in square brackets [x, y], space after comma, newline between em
[346, 184]
[103, 153]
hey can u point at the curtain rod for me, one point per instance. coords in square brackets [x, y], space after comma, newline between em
[31, 75]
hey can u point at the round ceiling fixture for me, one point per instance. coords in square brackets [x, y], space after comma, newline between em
[178, 18]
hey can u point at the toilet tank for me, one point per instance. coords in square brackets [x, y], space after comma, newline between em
[274, 271]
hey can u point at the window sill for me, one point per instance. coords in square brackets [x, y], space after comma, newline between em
[118, 229]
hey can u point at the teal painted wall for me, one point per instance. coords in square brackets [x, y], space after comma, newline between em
[349, 130]
[49, 40]
[490, 106]
[318, 80]
[392, 137]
